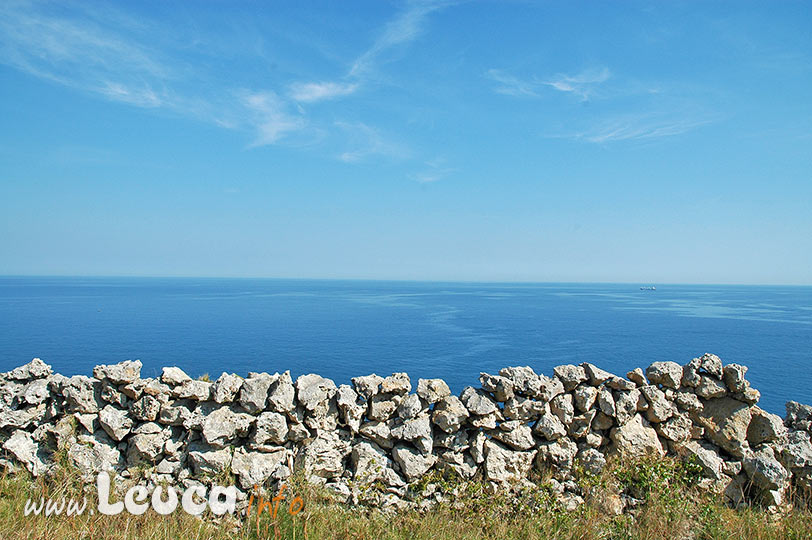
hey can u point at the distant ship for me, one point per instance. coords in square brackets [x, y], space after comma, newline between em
[652, 288]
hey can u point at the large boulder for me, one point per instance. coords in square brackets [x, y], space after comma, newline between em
[505, 465]
[223, 425]
[254, 392]
[668, 374]
[726, 421]
[636, 438]
[256, 468]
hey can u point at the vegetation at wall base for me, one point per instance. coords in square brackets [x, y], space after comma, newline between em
[671, 506]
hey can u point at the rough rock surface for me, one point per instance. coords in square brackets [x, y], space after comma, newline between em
[262, 427]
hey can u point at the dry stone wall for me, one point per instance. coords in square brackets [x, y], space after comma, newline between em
[383, 430]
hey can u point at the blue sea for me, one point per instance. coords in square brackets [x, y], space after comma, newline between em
[341, 329]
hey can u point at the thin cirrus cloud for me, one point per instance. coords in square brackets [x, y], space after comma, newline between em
[403, 29]
[107, 53]
[641, 127]
[583, 84]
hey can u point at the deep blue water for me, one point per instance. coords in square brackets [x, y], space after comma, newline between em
[341, 329]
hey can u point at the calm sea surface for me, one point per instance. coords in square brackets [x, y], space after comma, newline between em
[341, 329]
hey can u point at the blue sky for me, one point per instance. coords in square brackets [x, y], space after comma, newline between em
[529, 141]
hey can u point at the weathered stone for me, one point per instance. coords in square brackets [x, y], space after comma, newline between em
[314, 391]
[522, 408]
[558, 454]
[254, 392]
[146, 409]
[22, 446]
[478, 402]
[798, 416]
[636, 376]
[710, 388]
[550, 427]
[488, 421]
[584, 397]
[764, 427]
[690, 374]
[602, 422]
[725, 421]
[733, 375]
[282, 394]
[606, 401]
[110, 394]
[256, 468]
[505, 465]
[619, 383]
[226, 388]
[711, 364]
[432, 390]
[797, 450]
[115, 422]
[369, 385]
[592, 460]
[524, 380]
[92, 456]
[636, 438]
[81, 394]
[174, 376]
[378, 432]
[410, 406]
[581, 424]
[223, 425]
[209, 461]
[449, 414]
[196, 390]
[155, 388]
[562, 406]
[324, 456]
[749, 396]
[36, 392]
[659, 409]
[270, 428]
[369, 461]
[500, 387]
[764, 470]
[687, 401]
[626, 405]
[397, 383]
[570, 376]
[596, 375]
[144, 447]
[383, 406]
[668, 374]
[413, 464]
[35, 369]
[457, 441]
[350, 410]
[703, 455]
[176, 413]
[549, 387]
[515, 434]
[677, 428]
[121, 373]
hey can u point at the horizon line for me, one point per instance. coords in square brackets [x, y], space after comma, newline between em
[404, 280]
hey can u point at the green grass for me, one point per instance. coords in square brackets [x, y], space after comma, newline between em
[671, 507]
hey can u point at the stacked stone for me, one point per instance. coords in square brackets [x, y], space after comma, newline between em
[263, 427]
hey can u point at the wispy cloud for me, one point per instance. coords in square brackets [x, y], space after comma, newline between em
[105, 52]
[404, 28]
[366, 141]
[637, 127]
[583, 84]
[320, 91]
[272, 119]
[435, 170]
[510, 85]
